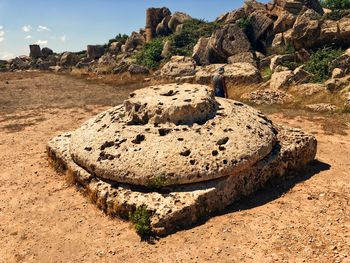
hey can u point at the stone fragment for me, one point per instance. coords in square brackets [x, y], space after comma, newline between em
[178, 66]
[281, 79]
[235, 74]
[35, 51]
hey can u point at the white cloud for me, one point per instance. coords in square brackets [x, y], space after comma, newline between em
[1, 27]
[6, 55]
[28, 37]
[43, 28]
[63, 38]
[27, 28]
[2, 39]
[2, 33]
[41, 42]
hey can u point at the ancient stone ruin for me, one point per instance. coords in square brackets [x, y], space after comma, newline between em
[179, 152]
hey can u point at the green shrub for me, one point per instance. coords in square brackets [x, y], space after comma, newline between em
[244, 23]
[337, 14]
[141, 220]
[150, 54]
[266, 73]
[318, 64]
[182, 43]
[336, 4]
[290, 64]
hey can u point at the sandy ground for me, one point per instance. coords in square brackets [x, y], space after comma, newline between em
[43, 219]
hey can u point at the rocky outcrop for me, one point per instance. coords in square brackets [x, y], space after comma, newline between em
[154, 16]
[46, 52]
[224, 42]
[178, 66]
[177, 19]
[95, 51]
[69, 59]
[281, 79]
[235, 74]
[200, 52]
[35, 51]
[134, 42]
[199, 176]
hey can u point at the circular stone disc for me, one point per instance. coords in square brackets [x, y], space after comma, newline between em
[153, 154]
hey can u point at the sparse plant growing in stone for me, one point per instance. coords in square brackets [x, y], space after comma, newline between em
[141, 220]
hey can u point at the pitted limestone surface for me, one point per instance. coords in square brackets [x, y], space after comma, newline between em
[162, 154]
[178, 104]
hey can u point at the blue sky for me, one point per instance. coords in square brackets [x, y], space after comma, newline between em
[70, 25]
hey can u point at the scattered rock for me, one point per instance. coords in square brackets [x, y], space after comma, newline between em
[95, 51]
[137, 69]
[322, 107]
[267, 97]
[178, 66]
[235, 74]
[281, 79]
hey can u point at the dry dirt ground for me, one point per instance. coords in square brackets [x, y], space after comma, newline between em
[305, 218]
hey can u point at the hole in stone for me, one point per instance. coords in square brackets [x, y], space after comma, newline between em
[207, 167]
[106, 145]
[192, 162]
[249, 127]
[180, 139]
[214, 153]
[187, 100]
[185, 153]
[132, 95]
[139, 138]
[160, 103]
[88, 149]
[224, 161]
[222, 141]
[169, 93]
[147, 129]
[164, 131]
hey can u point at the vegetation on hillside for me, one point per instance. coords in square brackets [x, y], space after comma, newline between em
[150, 54]
[318, 64]
[182, 43]
[336, 4]
[340, 8]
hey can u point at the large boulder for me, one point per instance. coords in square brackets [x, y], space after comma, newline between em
[95, 51]
[260, 23]
[225, 42]
[281, 79]
[235, 74]
[178, 66]
[176, 151]
[296, 6]
[19, 64]
[69, 59]
[306, 30]
[46, 52]
[200, 51]
[163, 28]
[235, 15]
[114, 47]
[134, 42]
[177, 19]
[35, 51]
